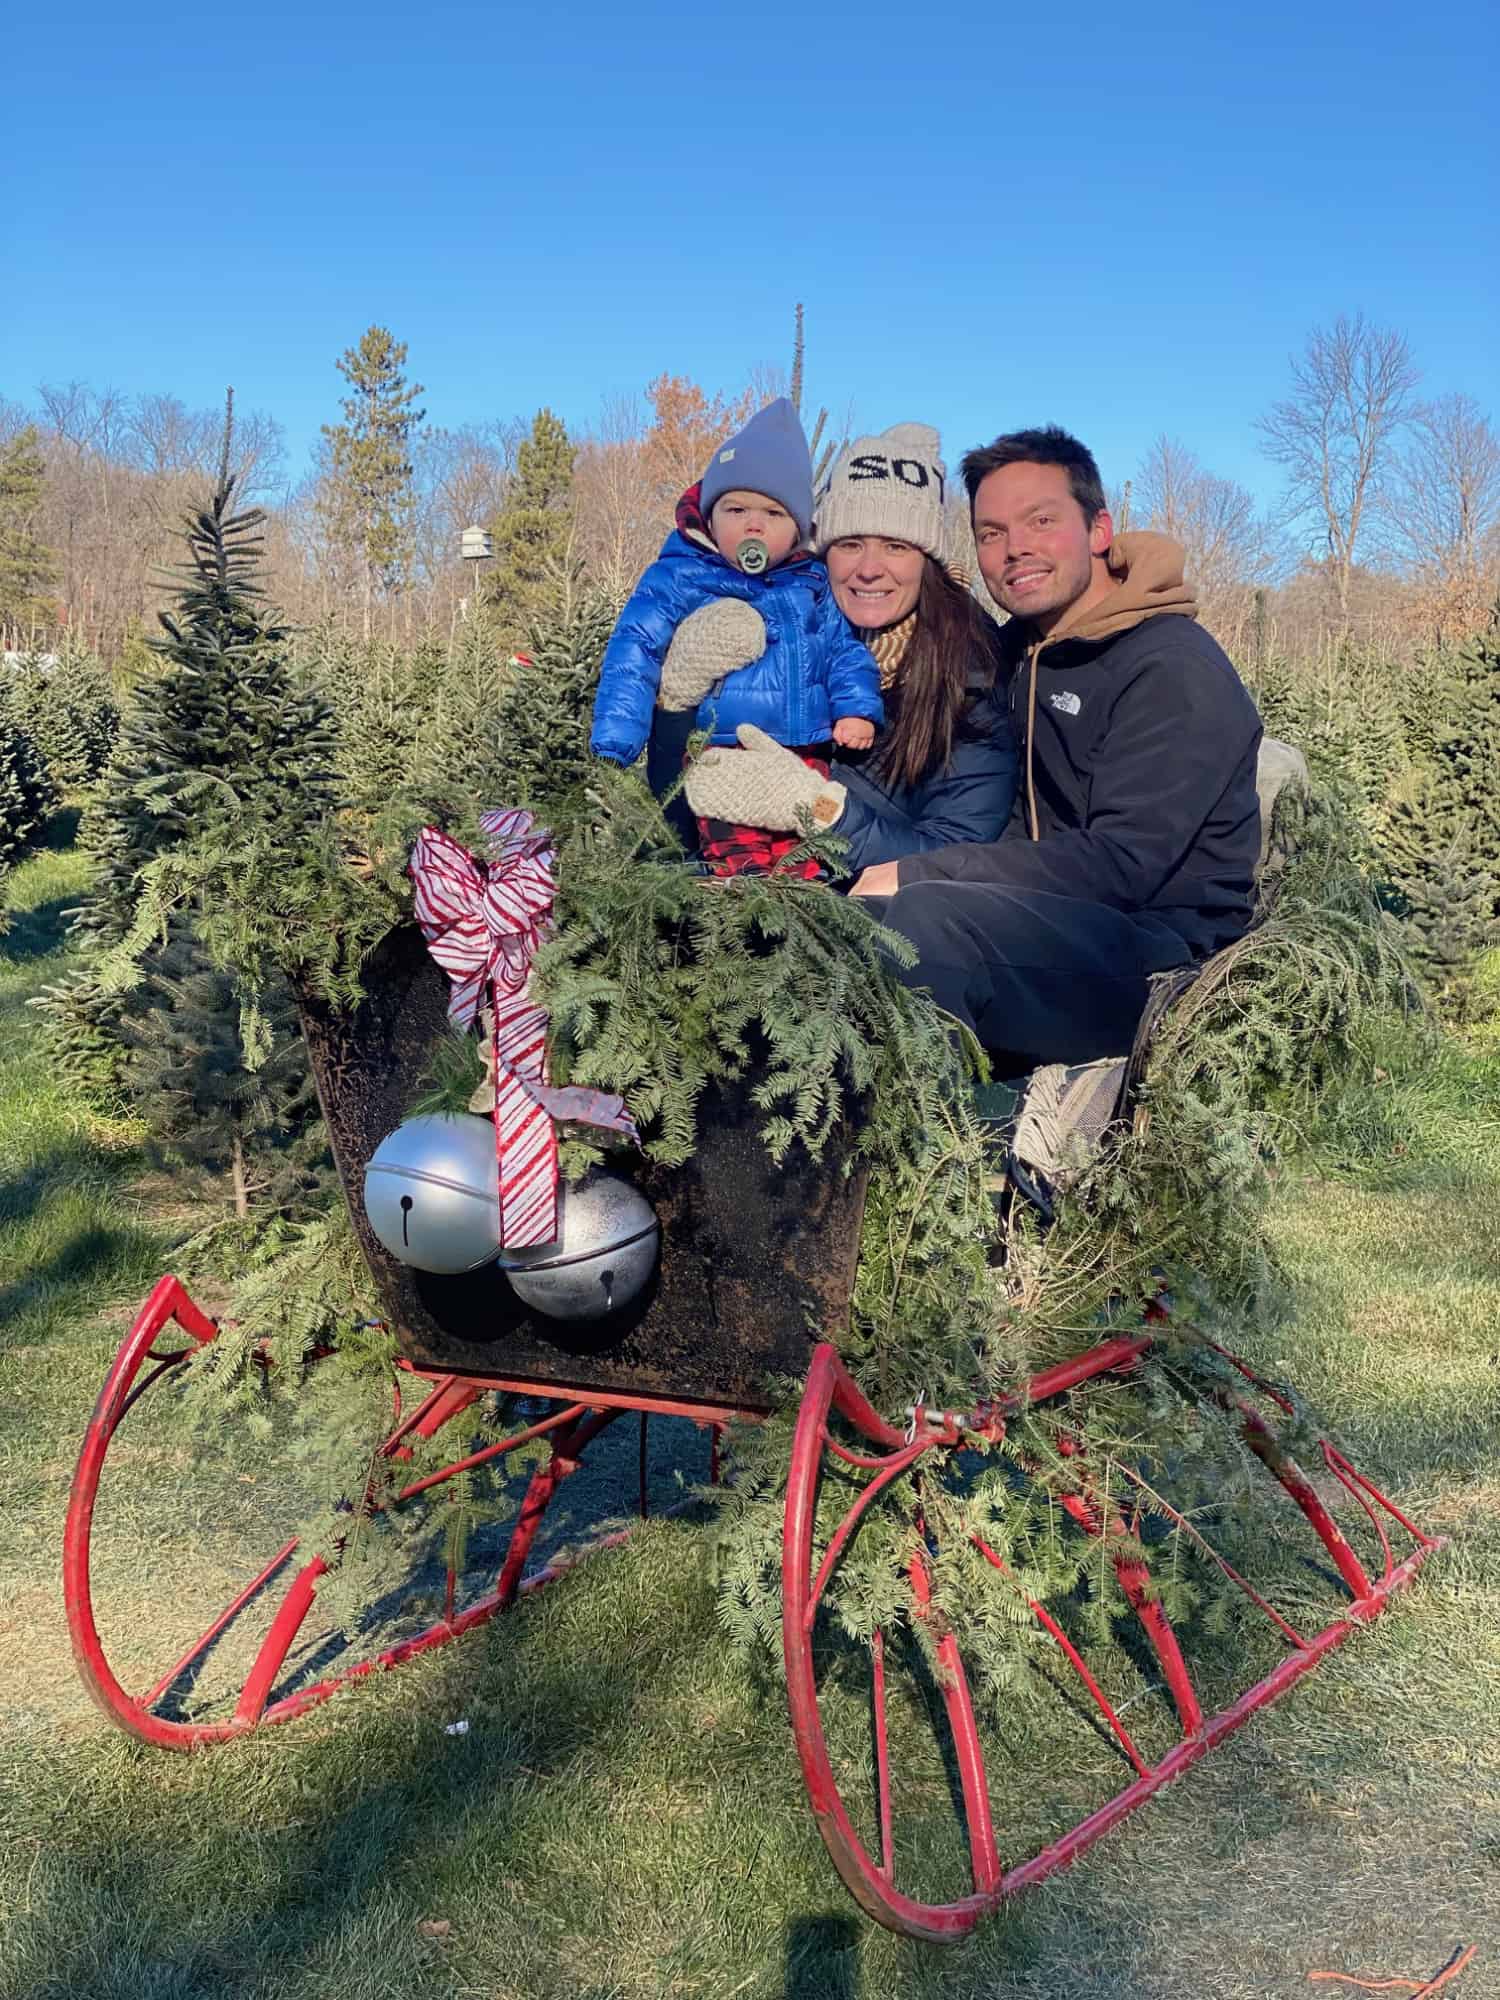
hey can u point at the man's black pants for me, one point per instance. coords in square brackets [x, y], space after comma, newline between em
[1041, 978]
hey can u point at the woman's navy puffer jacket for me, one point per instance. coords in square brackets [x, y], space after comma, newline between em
[970, 799]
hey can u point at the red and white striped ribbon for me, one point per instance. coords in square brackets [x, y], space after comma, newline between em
[483, 920]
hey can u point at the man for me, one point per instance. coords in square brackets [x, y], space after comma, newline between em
[1134, 840]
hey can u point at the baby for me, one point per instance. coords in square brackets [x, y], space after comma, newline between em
[771, 646]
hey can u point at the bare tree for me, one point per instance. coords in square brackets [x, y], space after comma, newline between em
[628, 476]
[1228, 549]
[621, 522]
[166, 440]
[1336, 435]
[461, 480]
[1214, 518]
[1444, 509]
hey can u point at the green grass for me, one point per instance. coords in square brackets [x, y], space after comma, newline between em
[624, 1818]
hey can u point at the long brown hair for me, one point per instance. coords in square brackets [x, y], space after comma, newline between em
[953, 650]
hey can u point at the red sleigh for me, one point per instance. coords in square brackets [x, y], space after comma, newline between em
[753, 1287]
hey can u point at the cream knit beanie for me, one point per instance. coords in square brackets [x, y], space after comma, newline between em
[888, 485]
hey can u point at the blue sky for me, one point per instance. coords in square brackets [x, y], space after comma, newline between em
[1121, 220]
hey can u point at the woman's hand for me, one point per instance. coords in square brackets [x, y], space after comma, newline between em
[761, 784]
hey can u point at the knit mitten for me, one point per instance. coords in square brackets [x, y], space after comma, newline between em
[761, 784]
[714, 641]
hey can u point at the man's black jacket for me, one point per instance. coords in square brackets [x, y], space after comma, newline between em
[1142, 761]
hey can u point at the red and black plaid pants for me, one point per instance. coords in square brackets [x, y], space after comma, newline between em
[728, 849]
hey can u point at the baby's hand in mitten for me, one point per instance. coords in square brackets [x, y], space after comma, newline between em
[853, 732]
[715, 640]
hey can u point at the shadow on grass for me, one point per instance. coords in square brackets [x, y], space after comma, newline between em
[62, 830]
[284, 1864]
[38, 932]
[385, 1802]
[23, 1195]
[822, 1959]
[96, 1258]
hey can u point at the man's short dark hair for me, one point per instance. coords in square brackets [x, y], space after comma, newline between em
[1047, 445]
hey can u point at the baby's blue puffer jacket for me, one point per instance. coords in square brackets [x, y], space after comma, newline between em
[812, 672]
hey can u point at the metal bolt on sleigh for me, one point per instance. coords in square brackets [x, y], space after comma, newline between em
[692, 1292]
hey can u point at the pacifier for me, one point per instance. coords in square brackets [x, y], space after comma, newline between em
[752, 555]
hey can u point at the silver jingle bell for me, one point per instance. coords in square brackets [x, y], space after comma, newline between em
[607, 1246]
[752, 555]
[432, 1193]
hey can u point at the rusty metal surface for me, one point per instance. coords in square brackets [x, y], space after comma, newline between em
[757, 1261]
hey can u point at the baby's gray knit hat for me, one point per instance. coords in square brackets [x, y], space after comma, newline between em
[891, 485]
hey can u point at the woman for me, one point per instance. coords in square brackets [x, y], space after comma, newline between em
[944, 768]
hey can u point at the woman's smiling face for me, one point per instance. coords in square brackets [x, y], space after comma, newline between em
[875, 581]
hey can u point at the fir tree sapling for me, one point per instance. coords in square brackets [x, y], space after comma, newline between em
[1444, 898]
[438, 737]
[546, 702]
[1441, 837]
[1345, 718]
[67, 704]
[27, 793]
[223, 772]
[224, 769]
[220, 1088]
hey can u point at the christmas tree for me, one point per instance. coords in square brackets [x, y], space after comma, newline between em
[27, 566]
[68, 707]
[221, 1087]
[27, 793]
[224, 769]
[1440, 835]
[547, 699]
[228, 751]
[368, 496]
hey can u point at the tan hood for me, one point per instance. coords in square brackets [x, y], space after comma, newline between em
[1149, 567]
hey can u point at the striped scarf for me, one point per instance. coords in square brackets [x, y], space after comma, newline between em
[889, 646]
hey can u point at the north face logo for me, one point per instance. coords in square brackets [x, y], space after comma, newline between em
[1067, 701]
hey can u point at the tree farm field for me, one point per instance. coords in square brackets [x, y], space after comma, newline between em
[624, 1818]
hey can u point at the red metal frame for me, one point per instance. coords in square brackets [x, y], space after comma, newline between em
[580, 1414]
[570, 1427]
[806, 1574]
